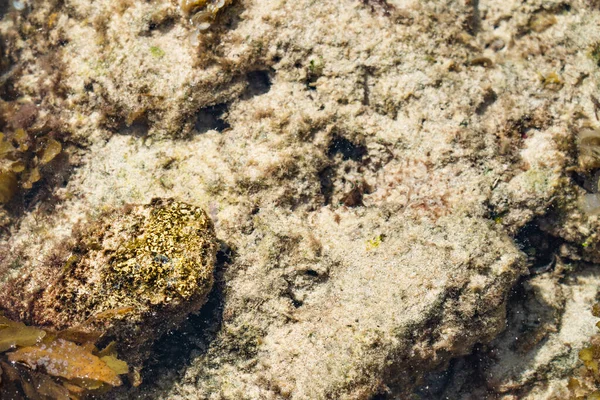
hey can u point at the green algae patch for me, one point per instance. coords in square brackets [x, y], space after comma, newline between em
[157, 51]
[375, 242]
[155, 264]
[138, 259]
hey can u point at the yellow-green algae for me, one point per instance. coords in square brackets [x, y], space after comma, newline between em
[22, 156]
[585, 385]
[160, 263]
[142, 256]
[42, 364]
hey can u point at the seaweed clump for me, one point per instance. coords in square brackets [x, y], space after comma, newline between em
[31, 152]
[22, 158]
[40, 364]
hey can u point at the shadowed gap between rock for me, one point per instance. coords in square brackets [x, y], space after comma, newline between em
[178, 348]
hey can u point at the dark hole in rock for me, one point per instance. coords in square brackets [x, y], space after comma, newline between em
[348, 150]
[297, 303]
[539, 246]
[587, 180]
[4, 7]
[138, 128]
[311, 272]
[259, 82]
[211, 118]
[8, 92]
[162, 26]
[380, 396]
[489, 98]
[434, 384]
[89, 87]
[462, 375]
[326, 177]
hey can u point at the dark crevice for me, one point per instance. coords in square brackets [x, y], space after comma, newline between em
[380, 396]
[466, 374]
[4, 5]
[326, 177]
[474, 20]
[177, 349]
[138, 128]
[540, 247]
[366, 91]
[348, 150]
[489, 98]
[163, 26]
[212, 118]
[311, 273]
[259, 82]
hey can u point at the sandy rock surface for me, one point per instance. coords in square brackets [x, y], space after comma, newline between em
[371, 168]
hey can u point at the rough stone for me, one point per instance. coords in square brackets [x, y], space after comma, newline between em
[132, 273]
[370, 167]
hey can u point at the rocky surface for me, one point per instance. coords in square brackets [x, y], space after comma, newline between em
[370, 168]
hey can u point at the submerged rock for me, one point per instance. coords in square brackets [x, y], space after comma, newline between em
[133, 273]
[371, 166]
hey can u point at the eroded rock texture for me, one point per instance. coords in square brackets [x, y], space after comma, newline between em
[367, 165]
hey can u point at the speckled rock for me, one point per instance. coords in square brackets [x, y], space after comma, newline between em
[132, 272]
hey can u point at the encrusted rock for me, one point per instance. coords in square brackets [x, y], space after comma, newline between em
[132, 274]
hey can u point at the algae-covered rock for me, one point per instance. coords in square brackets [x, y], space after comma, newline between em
[132, 273]
[372, 164]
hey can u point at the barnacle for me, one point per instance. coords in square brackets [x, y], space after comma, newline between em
[589, 149]
[42, 364]
[202, 13]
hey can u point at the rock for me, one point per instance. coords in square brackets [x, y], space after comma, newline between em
[132, 273]
[368, 164]
[549, 322]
